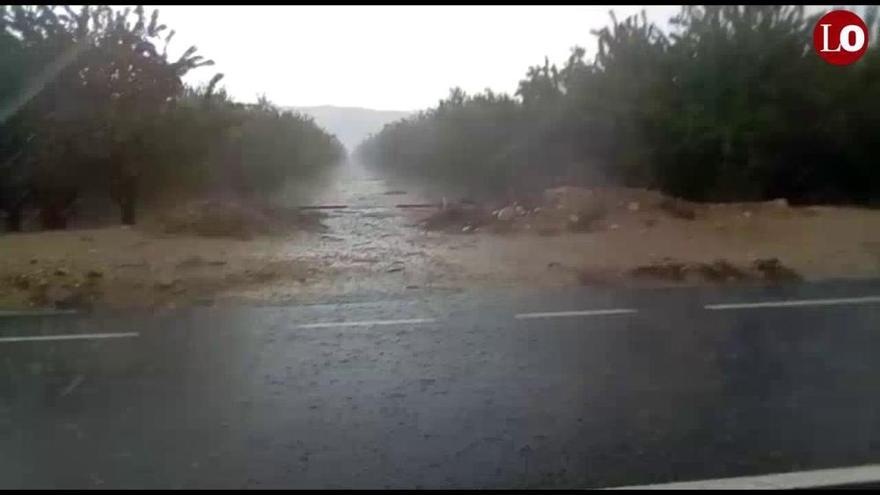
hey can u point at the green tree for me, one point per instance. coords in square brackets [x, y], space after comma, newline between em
[731, 104]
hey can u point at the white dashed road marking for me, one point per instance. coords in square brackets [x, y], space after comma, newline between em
[414, 321]
[792, 303]
[588, 312]
[795, 480]
[77, 380]
[75, 336]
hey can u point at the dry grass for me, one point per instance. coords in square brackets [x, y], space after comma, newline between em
[232, 219]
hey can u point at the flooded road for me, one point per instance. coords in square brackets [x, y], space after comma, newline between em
[371, 228]
[356, 186]
[372, 244]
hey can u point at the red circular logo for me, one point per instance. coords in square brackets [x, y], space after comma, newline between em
[840, 37]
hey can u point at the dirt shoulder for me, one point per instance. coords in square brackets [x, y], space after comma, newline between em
[823, 243]
[637, 237]
[120, 267]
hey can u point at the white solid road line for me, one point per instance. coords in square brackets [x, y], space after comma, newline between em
[801, 302]
[73, 336]
[331, 324]
[787, 481]
[587, 312]
[39, 312]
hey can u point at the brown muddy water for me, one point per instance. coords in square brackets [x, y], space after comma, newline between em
[373, 242]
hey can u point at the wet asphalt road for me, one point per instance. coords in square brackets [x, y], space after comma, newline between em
[468, 395]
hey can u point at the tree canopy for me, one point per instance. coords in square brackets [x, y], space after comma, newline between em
[730, 104]
[91, 101]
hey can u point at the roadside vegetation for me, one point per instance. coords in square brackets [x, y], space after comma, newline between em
[731, 105]
[91, 105]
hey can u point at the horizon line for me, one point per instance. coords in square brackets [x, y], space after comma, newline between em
[351, 107]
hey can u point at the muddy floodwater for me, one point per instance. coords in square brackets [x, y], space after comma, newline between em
[373, 242]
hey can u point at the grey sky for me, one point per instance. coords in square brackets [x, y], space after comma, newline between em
[384, 57]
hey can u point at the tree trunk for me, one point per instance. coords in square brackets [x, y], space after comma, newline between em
[13, 220]
[52, 217]
[128, 211]
[56, 207]
[127, 197]
[123, 188]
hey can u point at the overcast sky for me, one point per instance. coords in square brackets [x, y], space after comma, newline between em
[383, 57]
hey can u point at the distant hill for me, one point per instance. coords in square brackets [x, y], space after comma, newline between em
[351, 124]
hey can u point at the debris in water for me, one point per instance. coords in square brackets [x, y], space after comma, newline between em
[166, 283]
[506, 214]
[774, 271]
[678, 208]
[395, 268]
[720, 271]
